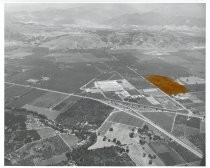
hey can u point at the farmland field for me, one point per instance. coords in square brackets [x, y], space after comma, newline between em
[46, 132]
[180, 119]
[48, 100]
[191, 131]
[200, 95]
[65, 80]
[171, 158]
[71, 140]
[127, 119]
[157, 66]
[178, 130]
[183, 152]
[198, 140]
[50, 114]
[6, 85]
[13, 91]
[27, 98]
[166, 84]
[105, 127]
[78, 57]
[196, 87]
[132, 91]
[194, 122]
[165, 120]
[202, 127]
[112, 95]
[131, 76]
[159, 147]
[64, 105]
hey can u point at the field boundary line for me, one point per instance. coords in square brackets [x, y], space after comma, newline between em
[197, 91]
[107, 119]
[9, 86]
[173, 123]
[53, 106]
[65, 142]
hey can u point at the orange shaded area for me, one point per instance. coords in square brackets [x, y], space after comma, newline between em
[169, 86]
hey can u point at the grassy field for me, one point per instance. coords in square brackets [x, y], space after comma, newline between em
[165, 120]
[159, 147]
[124, 118]
[71, 140]
[105, 127]
[45, 132]
[48, 100]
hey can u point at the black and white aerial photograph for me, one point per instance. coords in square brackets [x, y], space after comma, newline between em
[104, 84]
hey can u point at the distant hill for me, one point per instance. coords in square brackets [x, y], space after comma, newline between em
[154, 18]
[106, 14]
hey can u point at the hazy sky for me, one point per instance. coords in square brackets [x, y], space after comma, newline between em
[189, 9]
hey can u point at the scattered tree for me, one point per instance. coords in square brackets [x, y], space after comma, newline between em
[131, 135]
[150, 162]
[111, 129]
